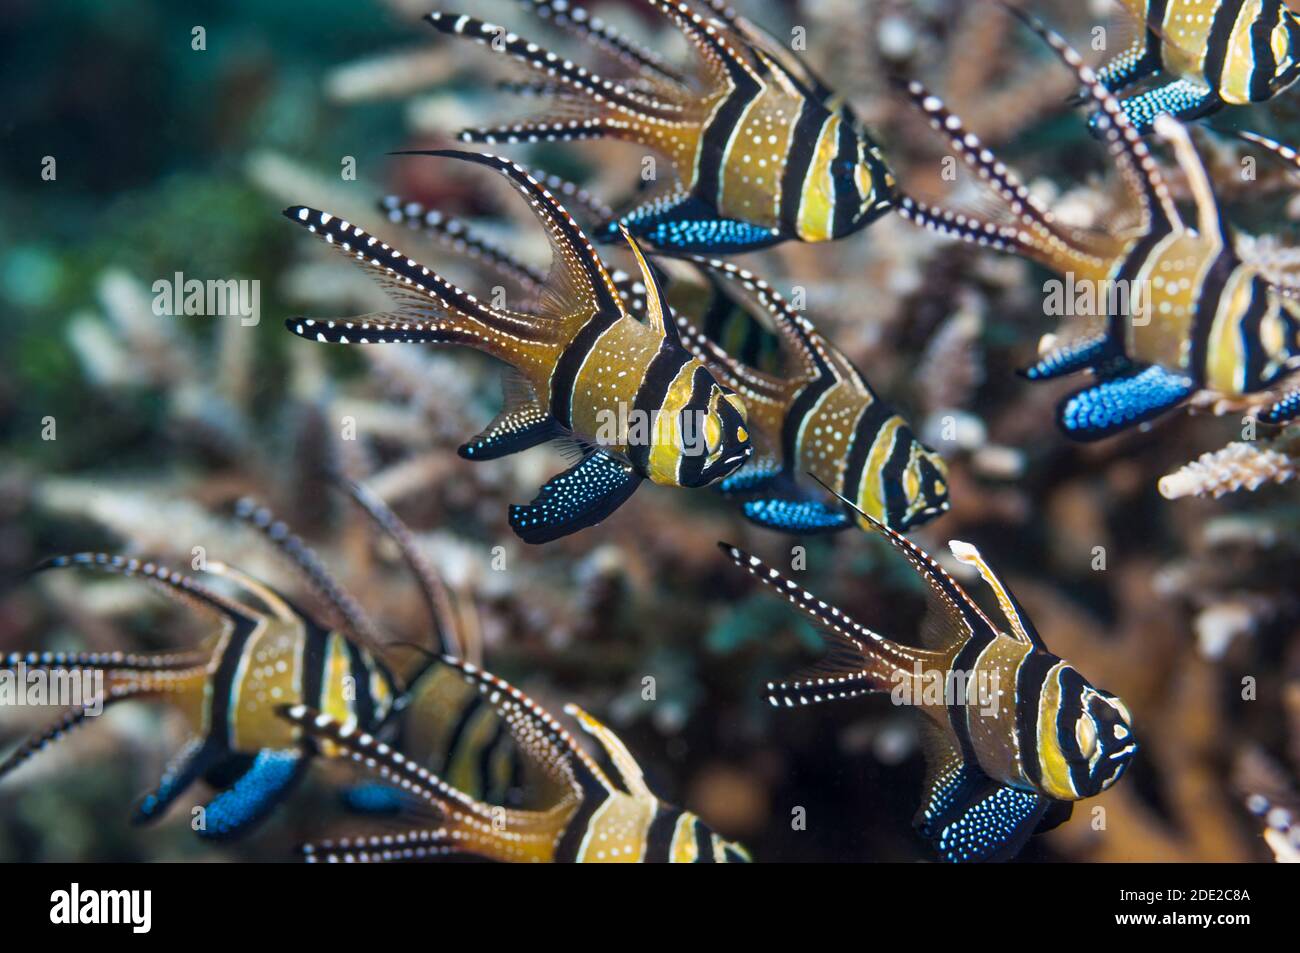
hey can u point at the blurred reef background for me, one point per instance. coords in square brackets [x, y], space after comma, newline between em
[171, 159]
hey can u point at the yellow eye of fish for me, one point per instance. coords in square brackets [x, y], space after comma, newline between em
[940, 487]
[1085, 733]
[742, 434]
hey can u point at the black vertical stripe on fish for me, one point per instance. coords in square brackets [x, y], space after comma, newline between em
[659, 838]
[860, 444]
[1216, 53]
[703, 844]
[802, 150]
[1207, 307]
[1031, 677]
[651, 395]
[847, 200]
[891, 478]
[1067, 716]
[690, 465]
[800, 408]
[1253, 352]
[313, 665]
[569, 363]
[363, 705]
[223, 682]
[1264, 63]
[566, 850]
[957, 707]
[719, 132]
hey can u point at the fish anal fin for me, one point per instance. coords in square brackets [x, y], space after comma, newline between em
[967, 816]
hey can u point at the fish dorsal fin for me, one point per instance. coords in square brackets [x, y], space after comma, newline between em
[433, 588]
[269, 597]
[177, 585]
[629, 771]
[656, 305]
[1136, 164]
[311, 567]
[543, 739]
[1021, 627]
[577, 283]
[1209, 217]
[719, 46]
[952, 616]
[800, 340]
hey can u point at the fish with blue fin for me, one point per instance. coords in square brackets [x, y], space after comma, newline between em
[592, 817]
[1175, 309]
[1194, 57]
[265, 650]
[762, 150]
[1013, 735]
[586, 372]
[819, 417]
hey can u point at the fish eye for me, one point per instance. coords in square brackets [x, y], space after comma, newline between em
[1085, 733]
[742, 434]
[940, 488]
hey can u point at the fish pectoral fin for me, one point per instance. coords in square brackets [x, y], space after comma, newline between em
[192, 762]
[798, 516]
[513, 430]
[375, 799]
[1113, 405]
[254, 794]
[1070, 358]
[969, 817]
[1058, 812]
[683, 222]
[1285, 410]
[581, 496]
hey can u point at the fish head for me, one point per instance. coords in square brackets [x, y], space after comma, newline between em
[862, 185]
[924, 483]
[711, 441]
[1096, 736]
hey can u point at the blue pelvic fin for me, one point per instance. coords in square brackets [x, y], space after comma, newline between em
[581, 496]
[801, 517]
[254, 794]
[755, 476]
[1058, 812]
[683, 222]
[1182, 99]
[374, 799]
[967, 816]
[1113, 405]
[189, 764]
[1070, 358]
[1284, 411]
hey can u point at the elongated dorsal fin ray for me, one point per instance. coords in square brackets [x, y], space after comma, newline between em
[577, 276]
[546, 742]
[860, 649]
[1021, 627]
[801, 340]
[956, 615]
[1137, 166]
[576, 19]
[433, 588]
[1209, 218]
[183, 588]
[629, 771]
[656, 304]
[463, 238]
[310, 566]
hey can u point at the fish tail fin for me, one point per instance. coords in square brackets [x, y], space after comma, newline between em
[859, 662]
[465, 825]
